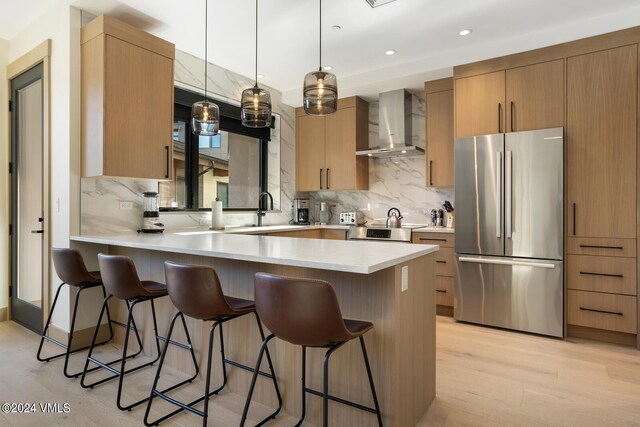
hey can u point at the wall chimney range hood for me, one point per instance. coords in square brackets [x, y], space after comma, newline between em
[395, 127]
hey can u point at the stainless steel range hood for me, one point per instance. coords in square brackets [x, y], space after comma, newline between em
[395, 127]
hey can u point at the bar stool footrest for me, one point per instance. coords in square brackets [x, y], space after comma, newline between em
[340, 400]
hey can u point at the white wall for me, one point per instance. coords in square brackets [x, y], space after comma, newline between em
[56, 24]
[4, 174]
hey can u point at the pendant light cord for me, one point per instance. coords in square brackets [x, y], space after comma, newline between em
[206, 32]
[256, 43]
[320, 65]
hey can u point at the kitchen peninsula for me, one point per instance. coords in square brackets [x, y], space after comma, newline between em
[389, 284]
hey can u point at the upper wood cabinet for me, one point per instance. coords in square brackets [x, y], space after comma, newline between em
[535, 97]
[479, 104]
[439, 133]
[126, 101]
[602, 113]
[524, 98]
[326, 148]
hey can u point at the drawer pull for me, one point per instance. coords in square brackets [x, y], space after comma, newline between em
[601, 247]
[617, 313]
[588, 273]
[433, 240]
[441, 262]
[441, 290]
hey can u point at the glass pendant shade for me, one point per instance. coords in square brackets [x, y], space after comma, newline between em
[256, 107]
[205, 118]
[320, 93]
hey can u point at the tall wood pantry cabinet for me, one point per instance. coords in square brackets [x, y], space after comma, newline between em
[326, 148]
[439, 132]
[518, 99]
[126, 101]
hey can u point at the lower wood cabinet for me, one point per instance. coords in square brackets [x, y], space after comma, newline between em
[321, 233]
[602, 311]
[445, 269]
[602, 274]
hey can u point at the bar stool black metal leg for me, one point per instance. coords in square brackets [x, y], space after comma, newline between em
[256, 372]
[207, 386]
[373, 388]
[104, 295]
[273, 375]
[46, 328]
[73, 326]
[325, 386]
[223, 357]
[93, 342]
[124, 357]
[304, 387]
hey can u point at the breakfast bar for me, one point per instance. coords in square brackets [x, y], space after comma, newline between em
[389, 284]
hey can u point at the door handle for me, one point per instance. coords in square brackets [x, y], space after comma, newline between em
[441, 290]
[166, 175]
[508, 193]
[574, 219]
[37, 231]
[430, 172]
[588, 273]
[321, 179]
[507, 262]
[617, 313]
[499, 195]
[441, 262]
[327, 181]
[499, 117]
[601, 247]
[511, 118]
[433, 240]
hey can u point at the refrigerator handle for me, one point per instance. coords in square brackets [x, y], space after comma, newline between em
[508, 193]
[507, 262]
[499, 195]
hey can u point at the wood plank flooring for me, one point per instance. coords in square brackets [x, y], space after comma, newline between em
[485, 377]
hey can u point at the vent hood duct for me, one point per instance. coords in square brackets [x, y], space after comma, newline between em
[395, 126]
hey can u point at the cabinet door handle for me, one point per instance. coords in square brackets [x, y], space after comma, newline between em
[511, 118]
[589, 273]
[321, 179]
[601, 247]
[434, 240]
[574, 219]
[430, 172]
[37, 231]
[328, 170]
[617, 313]
[441, 262]
[499, 117]
[166, 147]
[441, 290]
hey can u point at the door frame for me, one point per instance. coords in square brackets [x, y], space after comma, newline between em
[39, 54]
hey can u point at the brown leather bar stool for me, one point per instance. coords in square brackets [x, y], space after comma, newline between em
[195, 291]
[121, 280]
[70, 267]
[306, 312]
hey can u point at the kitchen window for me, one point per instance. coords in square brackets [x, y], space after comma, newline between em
[232, 166]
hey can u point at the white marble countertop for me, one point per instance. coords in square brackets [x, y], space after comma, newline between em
[433, 229]
[339, 255]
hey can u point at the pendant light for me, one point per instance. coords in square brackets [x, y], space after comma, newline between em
[256, 102]
[205, 115]
[320, 88]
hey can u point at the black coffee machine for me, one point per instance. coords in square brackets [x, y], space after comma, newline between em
[301, 212]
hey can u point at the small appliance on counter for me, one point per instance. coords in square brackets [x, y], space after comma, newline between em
[301, 212]
[394, 218]
[325, 213]
[351, 218]
[151, 215]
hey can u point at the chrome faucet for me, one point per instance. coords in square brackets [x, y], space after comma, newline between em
[262, 212]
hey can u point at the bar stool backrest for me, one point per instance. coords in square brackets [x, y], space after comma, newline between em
[70, 267]
[301, 311]
[120, 277]
[195, 290]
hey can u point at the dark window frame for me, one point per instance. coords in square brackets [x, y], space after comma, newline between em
[229, 122]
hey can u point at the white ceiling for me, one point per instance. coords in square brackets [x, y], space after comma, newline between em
[424, 33]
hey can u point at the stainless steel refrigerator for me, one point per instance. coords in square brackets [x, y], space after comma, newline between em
[509, 229]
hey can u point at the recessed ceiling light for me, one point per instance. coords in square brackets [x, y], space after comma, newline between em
[390, 52]
[260, 76]
[465, 32]
[327, 68]
[336, 28]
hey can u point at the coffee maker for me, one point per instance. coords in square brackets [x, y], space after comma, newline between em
[151, 215]
[301, 212]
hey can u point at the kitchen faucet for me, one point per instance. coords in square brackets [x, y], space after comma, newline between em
[262, 212]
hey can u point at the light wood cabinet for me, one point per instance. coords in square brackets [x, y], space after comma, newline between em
[445, 269]
[439, 133]
[327, 234]
[126, 101]
[479, 104]
[326, 148]
[535, 97]
[602, 311]
[602, 92]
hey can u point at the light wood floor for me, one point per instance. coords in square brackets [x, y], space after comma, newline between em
[485, 377]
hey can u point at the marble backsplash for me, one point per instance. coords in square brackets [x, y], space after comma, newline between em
[395, 182]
